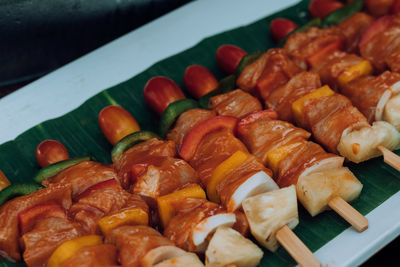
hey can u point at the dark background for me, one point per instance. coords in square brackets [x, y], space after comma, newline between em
[40, 36]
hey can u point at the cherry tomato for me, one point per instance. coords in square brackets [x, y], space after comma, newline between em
[161, 91]
[199, 81]
[281, 27]
[50, 151]
[116, 123]
[228, 57]
[322, 8]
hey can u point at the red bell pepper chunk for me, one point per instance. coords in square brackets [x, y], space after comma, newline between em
[28, 217]
[193, 138]
[280, 27]
[395, 7]
[376, 27]
[98, 186]
[228, 57]
[267, 113]
[199, 81]
[161, 91]
[324, 52]
[322, 8]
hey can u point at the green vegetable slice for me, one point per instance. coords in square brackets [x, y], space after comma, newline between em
[54, 169]
[172, 112]
[341, 14]
[226, 85]
[247, 60]
[316, 22]
[16, 190]
[129, 141]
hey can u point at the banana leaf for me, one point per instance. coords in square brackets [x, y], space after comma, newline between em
[80, 133]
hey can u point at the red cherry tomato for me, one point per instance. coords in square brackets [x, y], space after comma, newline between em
[199, 81]
[228, 57]
[322, 8]
[49, 152]
[116, 123]
[281, 27]
[161, 91]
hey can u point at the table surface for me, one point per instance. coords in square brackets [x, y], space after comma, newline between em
[66, 88]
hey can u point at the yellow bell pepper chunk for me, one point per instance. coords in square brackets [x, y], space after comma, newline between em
[360, 69]
[221, 171]
[4, 182]
[67, 249]
[129, 216]
[165, 209]
[278, 154]
[297, 106]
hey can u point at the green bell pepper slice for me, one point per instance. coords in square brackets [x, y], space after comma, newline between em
[16, 190]
[129, 141]
[247, 60]
[342, 13]
[226, 85]
[53, 169]
[173, 111]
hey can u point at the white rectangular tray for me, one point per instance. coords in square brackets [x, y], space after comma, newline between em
[68, 87]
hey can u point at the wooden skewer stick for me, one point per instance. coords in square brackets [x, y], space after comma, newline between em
[390, 158]
[300, 253]
[350, 214]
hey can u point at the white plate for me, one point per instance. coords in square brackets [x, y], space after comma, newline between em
[66, 88]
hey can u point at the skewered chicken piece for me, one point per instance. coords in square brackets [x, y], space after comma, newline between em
[187, 218]
[225, 168]
[285, 149]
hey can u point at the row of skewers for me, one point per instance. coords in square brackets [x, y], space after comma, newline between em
[235, 153]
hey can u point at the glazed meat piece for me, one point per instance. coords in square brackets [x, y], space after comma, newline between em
[281, 100]
[328, 117]
[264, 135]
[384, 47]
[270, 71]
[189, 212]
[9, 232]
[187, 121]
[333, 66]
[300, 46]
[140, 153]
[104, 255]
[393, 60]
[163, 175]
[82, 176]
[133, 242]
[365, 92]
[353, 28]
[303, 157]
[89, 209]
[47, 234]
[236, 103]
[213, 149]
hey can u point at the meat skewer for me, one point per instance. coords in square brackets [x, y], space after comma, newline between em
[282, 82]
[187, 218]
[273, 141]
[209, 145]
